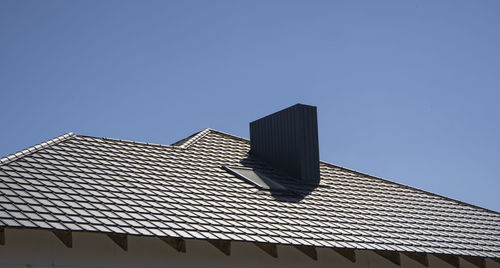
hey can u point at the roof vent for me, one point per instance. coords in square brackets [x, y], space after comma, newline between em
[288, 141]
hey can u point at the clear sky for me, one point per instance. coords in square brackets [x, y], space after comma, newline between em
[406, 90]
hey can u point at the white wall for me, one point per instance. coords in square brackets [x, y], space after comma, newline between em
[37, 248]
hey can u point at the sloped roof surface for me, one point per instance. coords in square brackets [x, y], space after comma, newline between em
[81, 183]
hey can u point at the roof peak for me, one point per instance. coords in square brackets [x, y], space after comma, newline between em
[192, 139]
[186, 142]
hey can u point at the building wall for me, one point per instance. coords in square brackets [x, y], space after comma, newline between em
[38, 248]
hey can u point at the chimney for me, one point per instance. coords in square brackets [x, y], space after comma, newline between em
[288, 141]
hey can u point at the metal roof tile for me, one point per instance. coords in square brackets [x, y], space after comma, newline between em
[161, 190]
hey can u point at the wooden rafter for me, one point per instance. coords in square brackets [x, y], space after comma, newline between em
[178, 244]
[392, 256]
[310, 251]
[347, 253]
[478, 261]
[418, 257]
[66, 237]
[2, 236]
[120, 240]
[496, 259]
[223, 245]
[270, 249]
[450, 259]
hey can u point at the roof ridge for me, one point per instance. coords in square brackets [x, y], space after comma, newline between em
[230, 135]
[411, 187]
[183, 143]
[129, 141]
[194, 138]
[186, 142]
[35, 148]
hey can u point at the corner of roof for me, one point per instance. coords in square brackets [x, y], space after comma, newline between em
[186, 142]
[230, 135]
[192, 139]
[35, 148]
[410, 187]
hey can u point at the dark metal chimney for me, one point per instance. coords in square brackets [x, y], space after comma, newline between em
[288, 141]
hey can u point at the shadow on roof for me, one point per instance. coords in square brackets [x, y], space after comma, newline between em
[290, 189]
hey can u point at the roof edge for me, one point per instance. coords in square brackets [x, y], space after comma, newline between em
[334, 245]
[129, 141]
[187, 142]
[229, 135]
[35, 148]
[411, 187]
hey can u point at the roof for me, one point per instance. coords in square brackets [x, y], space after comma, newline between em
[80, 183]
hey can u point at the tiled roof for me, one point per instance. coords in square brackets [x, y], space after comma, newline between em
[80, 183]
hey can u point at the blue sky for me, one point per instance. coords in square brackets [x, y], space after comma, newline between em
[406, 90]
